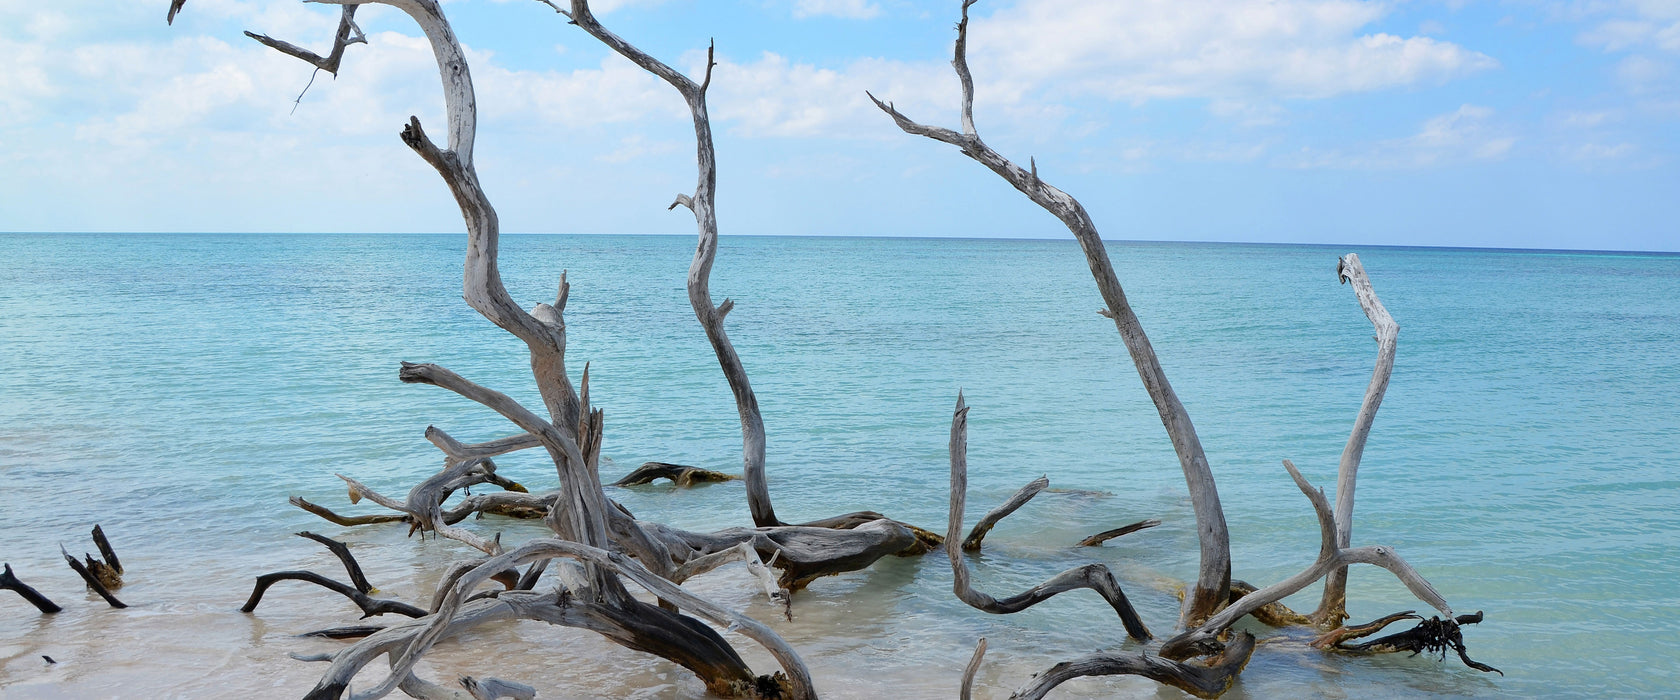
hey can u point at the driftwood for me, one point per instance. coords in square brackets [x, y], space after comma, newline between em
[1203, 681]
[703, 204]
[966, 692]
[587, 523]
[678, 474]
[1204, 638]
[1434, 635]
[1093, 576]
[1332, 606]
[93, 581]
[10, 582]
[1106, 535]
[348, 33]
[357, 591]
[1214, 575]
[971, 543]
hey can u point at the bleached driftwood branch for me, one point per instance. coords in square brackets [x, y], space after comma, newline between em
[1332, 607]
[703, 205]
[1213, 577]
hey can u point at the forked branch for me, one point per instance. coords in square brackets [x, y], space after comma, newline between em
[1214, 575]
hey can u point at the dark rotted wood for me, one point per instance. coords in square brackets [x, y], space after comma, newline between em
[342, 551]
[370, 606]
[93, 581]
[105, 549]
[1203, 681]
[926, 540]
[678, 638]
[352, 632]
[1101, 537]
[1433, 636]
[10, 582]
[679, 474]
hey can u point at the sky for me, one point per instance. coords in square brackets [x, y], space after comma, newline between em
[1499, 123]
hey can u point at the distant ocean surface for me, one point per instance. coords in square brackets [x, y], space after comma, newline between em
[178, 388]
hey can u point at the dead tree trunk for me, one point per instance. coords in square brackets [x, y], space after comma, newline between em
[1213, 578]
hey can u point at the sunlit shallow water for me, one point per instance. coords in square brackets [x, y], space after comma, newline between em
[177, 389]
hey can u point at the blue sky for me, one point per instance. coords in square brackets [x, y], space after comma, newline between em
[1510, 123]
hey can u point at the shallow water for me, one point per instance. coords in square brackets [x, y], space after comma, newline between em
[177, 389]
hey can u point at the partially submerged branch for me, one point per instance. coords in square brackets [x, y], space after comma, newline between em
[681, 475]
[1093, 576]
[10, 582]
[971, 543]
[1203, 681]
[1106, 535]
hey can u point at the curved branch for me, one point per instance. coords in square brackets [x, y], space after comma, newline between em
[1214, 575]
[991, 518]
[370, 606]
[1093, 576]
[1210, 681]
[1332, 606]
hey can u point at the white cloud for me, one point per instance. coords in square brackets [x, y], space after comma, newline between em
[845, 9]
[1463, 135]
[1237, 49]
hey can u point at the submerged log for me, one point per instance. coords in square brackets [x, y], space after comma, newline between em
[680, 475]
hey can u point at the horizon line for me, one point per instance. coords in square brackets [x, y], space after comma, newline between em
[863, 236]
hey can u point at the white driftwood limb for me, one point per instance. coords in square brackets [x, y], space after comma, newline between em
[1093, 576]
[1214, 573]
[1332, 607]
[1204, 638]
[703, 205]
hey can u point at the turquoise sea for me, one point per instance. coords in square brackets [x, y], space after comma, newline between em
[178, 388]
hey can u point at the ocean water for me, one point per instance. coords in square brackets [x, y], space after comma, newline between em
[177, 389]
